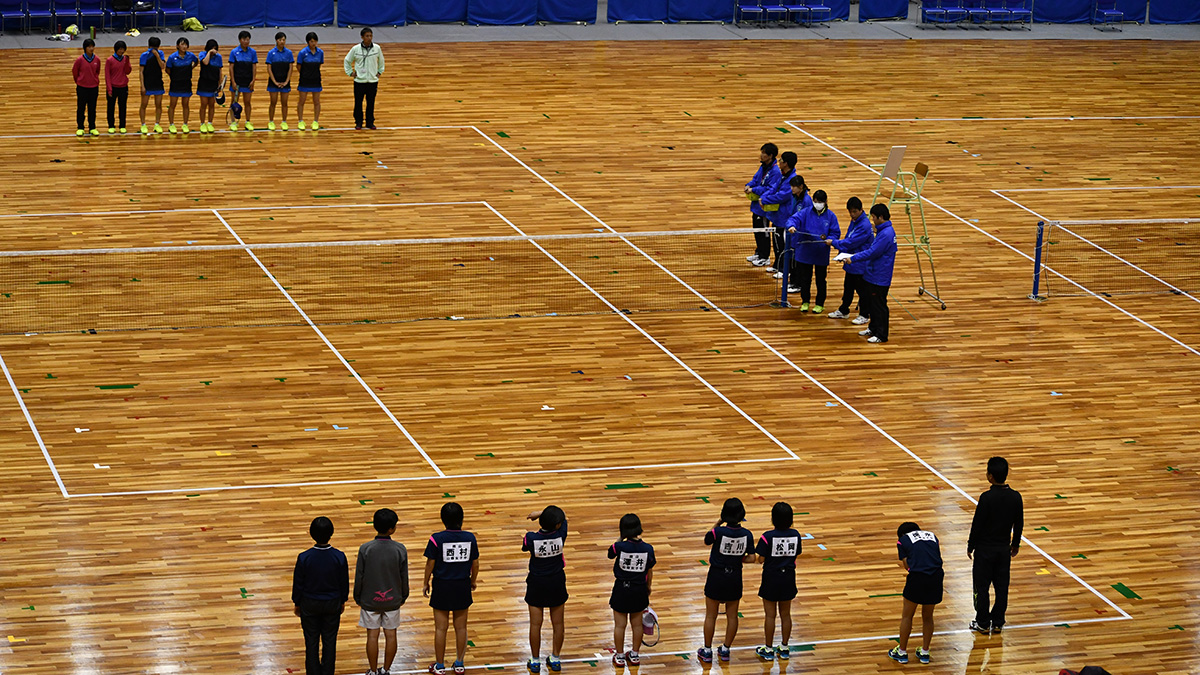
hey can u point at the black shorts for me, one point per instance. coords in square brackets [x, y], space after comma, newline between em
[450, 595]
[724, 584]
[629, 597]
[778, 585]
[546, 590]
[924, 589]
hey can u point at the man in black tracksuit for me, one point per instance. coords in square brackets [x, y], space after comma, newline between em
[994, 542]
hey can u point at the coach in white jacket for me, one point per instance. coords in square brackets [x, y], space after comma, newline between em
[365, 64]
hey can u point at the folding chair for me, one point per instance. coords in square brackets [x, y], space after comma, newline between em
[955, 12]
[817, 8]
[40, 10]
[1020, 13]
[977, 11]
[1105, 13]
[770, 9]
[932, 13]
[128, 13]
[14, 9]
[998, 12]
[794, 10]
[745, 7]
[92, 9]
[169, 10]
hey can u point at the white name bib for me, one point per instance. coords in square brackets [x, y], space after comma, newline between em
[632, 562]
[456, 551]
[731, 546]
[921, 535]
[548, 548]
[784, 547]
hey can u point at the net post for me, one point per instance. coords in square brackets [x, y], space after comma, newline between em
[1037, 261]
[786, 261]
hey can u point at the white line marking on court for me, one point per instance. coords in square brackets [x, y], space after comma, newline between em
[1012, 248]
[796, 642]
[1001, 119]
[226, 131]
[800, 370]
[1099, 248]
[33, 427]
[1082, 189]
[333, 349]
[80, 431]
[407, 479]
[234, 208]
[616, 310]
[101, 466]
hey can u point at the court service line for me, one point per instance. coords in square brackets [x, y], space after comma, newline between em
[853, 410]
[1107, 189]
[33, 427]
[329, 344]
[1012, 248]
[616, 310]
[234, 208]
[408, 479]
[1002, 119]
[1100, 248]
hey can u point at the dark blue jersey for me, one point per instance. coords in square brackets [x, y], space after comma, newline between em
[632, 559]
[545, 550]
[779, 548]
[729, 545]
[452, 552]
[921, 551]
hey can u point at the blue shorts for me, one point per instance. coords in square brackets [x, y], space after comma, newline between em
[279, 90]
[312, 90]
[184, 94]
[245, 90]
[155, 92]
[207, 94]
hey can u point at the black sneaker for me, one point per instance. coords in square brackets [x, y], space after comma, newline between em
[996, 629]
[982, 630]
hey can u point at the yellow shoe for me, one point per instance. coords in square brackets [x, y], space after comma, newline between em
[301, 125]
[157, 128]
[112, 130]
[233, 126]
[145, 129]
[249, 127]
[122, 129]
[79, 132]
[818, 309]
[271, 125]
[172, 129]
[284, 125]
[804, 307]
[186, 130]
[95, 132]
[316, 125]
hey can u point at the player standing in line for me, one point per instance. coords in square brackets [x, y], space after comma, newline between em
[922, 557]
[777, 551]
[731, 545]
[546, 585]
[633, 563]
[452, 562]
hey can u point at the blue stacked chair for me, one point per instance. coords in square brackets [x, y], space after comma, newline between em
[129, 15]
[745, 7]
[95, 10]
[39, 10]
[795, 10]
[998, 11]
[932, 12]
[1020, 12]
[977, 11]
[1105, 13]
[11, 10]
[955, 12]
[169, 12]
[815, 9]
[777, 9]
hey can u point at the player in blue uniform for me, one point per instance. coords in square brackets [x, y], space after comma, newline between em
[546, 585]
[152, 63]
[279, 78]
[633, 563]
[308, 63]
[208, 84]
[243, 61]
[921, 555]
[453, 564]
[180, 66]
[777, 551]
[731, 545]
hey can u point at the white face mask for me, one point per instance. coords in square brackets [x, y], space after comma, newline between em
[819, 207]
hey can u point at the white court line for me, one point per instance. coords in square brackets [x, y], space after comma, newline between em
[1014, 249]
[224, 131]
[407, 479]
[796, 643]
[33, 427]
[329, 344]
[648, 336]
[234, 208]
[1001, 119]
[796, 367]
[1100, 248]
[1082, 189]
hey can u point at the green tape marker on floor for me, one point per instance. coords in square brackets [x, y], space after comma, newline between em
[829, 558]
[1099, 179]
[447, 495]
[501, 134]
[115, 386]
[719, 481]
[30, 608]
[803, 648]
[885, 595]
[704, 563]
[1125, 591]
[1080, 555]
[1175, 627]
[1058, 496]
[871, 473]
[1062, 625]
[487, 454]
[364, 502]
[715, 350]
[470, 643]
[326, 196]
[624, 486]
[704, 499]
[191, 495]
[1042, 528]
[51, 376]
[530, 492]
[783, 130]
[687, 113]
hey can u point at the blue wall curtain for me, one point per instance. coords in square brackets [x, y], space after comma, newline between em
[372, 12]
[192, 7]
[437, 11]
[637, 10]
[234, 13]
[1062, 11]
[700, 10]
[566, 11]
[1174, 11]
[502, 12]
[841, 9]
[299, 12]
[882, 9]
[1135, 10]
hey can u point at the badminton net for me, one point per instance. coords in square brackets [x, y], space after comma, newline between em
[385, 281]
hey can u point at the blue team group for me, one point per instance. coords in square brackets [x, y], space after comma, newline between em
[320, 587]
[805, 229]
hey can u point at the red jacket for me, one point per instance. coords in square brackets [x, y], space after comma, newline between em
[87, 73]
[116, 73]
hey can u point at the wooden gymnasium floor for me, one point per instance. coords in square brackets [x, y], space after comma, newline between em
[150, 566]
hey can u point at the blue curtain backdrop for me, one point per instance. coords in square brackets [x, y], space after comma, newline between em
[1135, 10]
[437, 11]
[566, 11]
[1174, 11]
[192, 7]
[700, 10]
[234, 13]
[841, 9]
[882, 9]
[372, 12]
[502, 12]
[637, 10]
[1062, 11]
[299, 13]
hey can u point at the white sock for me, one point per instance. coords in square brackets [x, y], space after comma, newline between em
[633, 653]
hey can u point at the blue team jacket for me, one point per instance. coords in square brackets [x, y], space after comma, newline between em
[810, 227]
[880, 256]
[765, 180]
[790, 207]
[781, 195]
[858, 238]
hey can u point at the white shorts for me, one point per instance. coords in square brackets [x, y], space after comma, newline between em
[375, 620]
